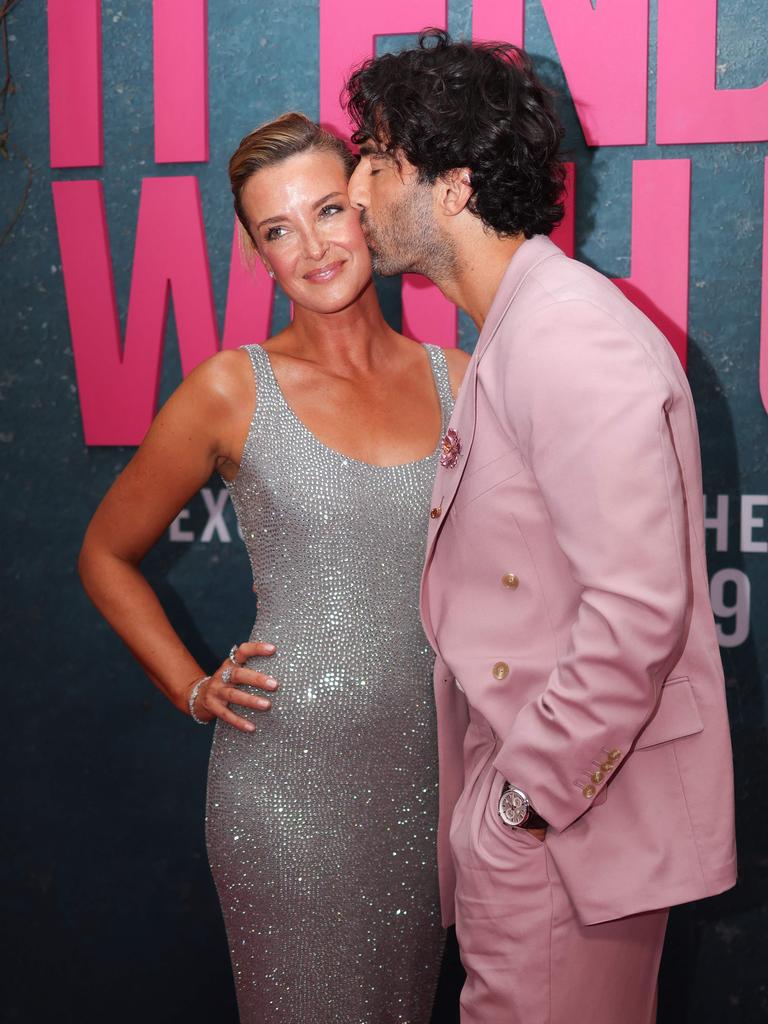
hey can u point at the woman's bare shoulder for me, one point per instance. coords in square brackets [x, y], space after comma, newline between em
[212, 402]
[457, 361]
[455, 358]
[228, 375]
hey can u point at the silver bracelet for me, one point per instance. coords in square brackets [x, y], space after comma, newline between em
[193, 697]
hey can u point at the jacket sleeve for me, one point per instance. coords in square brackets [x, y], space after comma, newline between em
[590, 403]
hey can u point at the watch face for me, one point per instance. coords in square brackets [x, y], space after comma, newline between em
[513, 807]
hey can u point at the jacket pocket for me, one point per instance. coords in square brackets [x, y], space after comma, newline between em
[677, 715]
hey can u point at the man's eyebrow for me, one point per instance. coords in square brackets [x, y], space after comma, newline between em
[282, 216]
[372, 148]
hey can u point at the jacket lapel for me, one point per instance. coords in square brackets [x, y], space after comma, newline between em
[447, 480]
[463, 420]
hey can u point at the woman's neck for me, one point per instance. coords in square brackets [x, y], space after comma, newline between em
[349, 342]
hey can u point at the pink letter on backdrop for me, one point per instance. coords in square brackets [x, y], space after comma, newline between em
[764, 304]
[180, 33]
[118, 385]
[348, 31]
[74, 83]
[689, 106]
[427, 314]
[564, 234]
[604, 53]
[661, 210]
[250, 296]
[494, 20]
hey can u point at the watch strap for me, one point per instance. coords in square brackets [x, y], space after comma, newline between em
[534, 820]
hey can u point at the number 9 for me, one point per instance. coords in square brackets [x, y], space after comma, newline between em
[738, 610]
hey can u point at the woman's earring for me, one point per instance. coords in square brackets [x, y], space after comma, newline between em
[271, 273]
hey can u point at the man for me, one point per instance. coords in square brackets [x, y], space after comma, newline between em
[565, 588]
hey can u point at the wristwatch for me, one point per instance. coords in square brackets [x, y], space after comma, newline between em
[516, 811]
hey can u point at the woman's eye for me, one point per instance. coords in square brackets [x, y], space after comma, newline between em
[274, 233]
[328, 211]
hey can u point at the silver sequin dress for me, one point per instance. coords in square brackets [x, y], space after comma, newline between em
[321, 823]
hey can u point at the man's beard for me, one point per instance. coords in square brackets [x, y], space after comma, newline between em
[407, 241]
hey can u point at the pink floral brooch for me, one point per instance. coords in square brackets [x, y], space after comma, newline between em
[450, 449]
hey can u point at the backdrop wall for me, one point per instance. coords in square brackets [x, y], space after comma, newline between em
[114, 199]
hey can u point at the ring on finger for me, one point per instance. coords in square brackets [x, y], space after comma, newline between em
[226, 675]
[232, 654]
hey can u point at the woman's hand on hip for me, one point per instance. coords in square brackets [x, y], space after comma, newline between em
[223, 688]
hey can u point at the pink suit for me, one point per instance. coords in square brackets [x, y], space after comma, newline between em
[565, 592]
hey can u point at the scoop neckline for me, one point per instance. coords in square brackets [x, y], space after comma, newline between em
[335, 451]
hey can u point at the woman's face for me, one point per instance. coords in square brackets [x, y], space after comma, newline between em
[307, 233]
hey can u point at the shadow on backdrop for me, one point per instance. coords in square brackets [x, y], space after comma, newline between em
[708, 956]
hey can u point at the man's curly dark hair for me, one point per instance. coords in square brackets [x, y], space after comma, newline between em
[478, 105]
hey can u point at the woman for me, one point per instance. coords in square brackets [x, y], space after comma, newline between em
[322, 788]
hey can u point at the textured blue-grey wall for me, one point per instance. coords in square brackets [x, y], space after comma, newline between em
[109, 909]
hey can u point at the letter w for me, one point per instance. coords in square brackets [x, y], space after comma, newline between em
[119, 384]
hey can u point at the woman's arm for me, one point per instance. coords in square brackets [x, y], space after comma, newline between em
[201, 428]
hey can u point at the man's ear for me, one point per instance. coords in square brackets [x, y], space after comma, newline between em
[455, 190]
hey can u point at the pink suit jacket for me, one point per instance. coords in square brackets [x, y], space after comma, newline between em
[565, 592]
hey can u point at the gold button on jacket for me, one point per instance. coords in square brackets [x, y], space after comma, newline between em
[436, 512]
[500, 670]
[589, 792]
[509, 579]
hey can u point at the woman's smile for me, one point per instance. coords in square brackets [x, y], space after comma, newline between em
[324, 274]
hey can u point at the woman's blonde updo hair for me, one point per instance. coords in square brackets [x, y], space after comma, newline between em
[275, 141]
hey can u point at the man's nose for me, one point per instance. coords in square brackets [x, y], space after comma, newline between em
[358, 193]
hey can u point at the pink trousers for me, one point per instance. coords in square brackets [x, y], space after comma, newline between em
[527, 957]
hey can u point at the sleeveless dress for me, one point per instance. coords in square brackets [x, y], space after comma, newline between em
[321, 824]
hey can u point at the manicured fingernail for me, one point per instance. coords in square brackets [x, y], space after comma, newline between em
[269, 647]
[264, 703]
[270, 683]
[250, 727]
